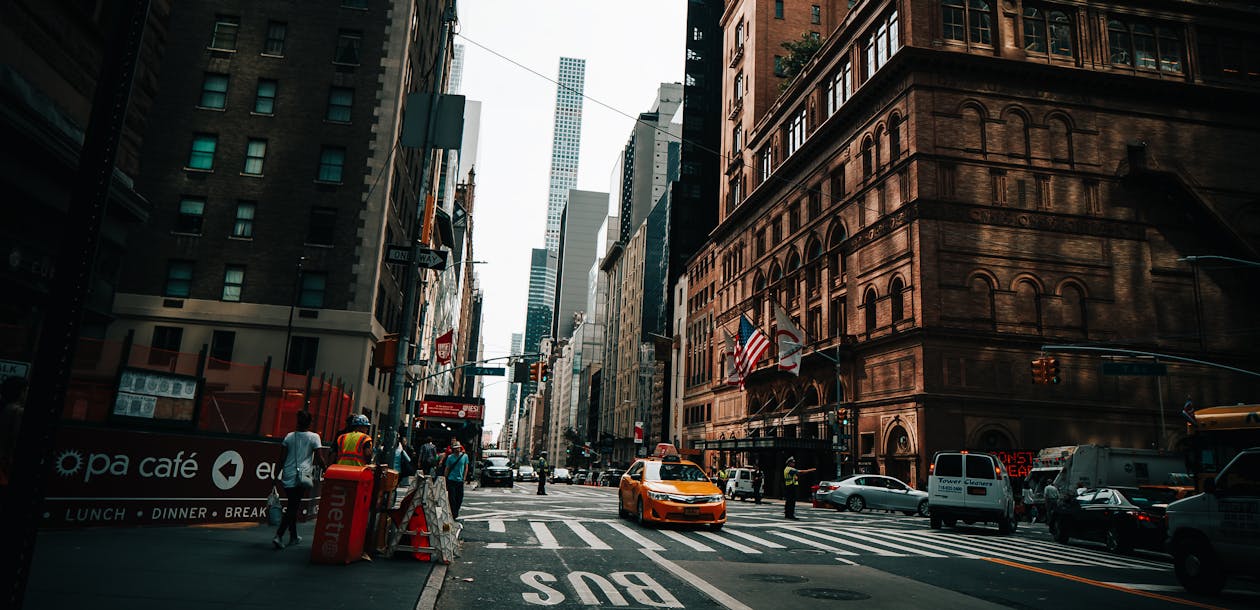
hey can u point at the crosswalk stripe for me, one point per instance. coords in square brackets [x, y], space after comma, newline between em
[497, 525]
[587, 536]
[635, 536]
[751, 538]
[848, 543]
[1094, 557]
[988, 551]
[545, 539]
[1126, 561]
[808, 542]
[893, 542]
[687, 541]
[731, 543]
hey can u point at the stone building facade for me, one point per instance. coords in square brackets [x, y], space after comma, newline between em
[949, 186]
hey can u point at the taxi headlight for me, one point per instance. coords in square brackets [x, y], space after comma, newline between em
[656, 495]
[715, 498]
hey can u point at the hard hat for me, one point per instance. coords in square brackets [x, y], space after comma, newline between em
[791, 459]
[360, 420]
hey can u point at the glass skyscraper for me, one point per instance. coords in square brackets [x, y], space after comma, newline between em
[565, 143]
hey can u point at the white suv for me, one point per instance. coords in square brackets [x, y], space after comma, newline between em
[1217, 533]
[971, 487]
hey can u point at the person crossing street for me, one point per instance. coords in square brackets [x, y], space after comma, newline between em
[791, 487]
[542, 473]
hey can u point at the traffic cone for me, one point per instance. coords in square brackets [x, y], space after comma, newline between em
[419, 525]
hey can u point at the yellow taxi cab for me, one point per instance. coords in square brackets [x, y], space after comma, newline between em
[668, 489]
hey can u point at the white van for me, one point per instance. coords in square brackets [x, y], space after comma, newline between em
[1217, 533]
[739, 483]
[970, 487]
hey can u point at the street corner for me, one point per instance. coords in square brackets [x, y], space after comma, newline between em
[791, 586]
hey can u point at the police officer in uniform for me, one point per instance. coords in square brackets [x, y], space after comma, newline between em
[791, 486]
[542, 473]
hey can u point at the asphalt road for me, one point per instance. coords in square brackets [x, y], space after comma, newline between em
[569, 549]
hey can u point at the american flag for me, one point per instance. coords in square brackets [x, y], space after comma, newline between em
[748, 350]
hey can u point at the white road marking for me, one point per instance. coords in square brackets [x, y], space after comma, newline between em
[687, 541]
[682, 574]
[545, 539]
[807, 542]
[587, 536]
[498, 525]
[731, 543]
[848, 543]
[635, 536]
[497, 545]
[762, 541]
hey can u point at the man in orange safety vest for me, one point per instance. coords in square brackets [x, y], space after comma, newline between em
[354, 448]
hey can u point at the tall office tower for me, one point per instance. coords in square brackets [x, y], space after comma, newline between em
[268, 161]
[542, 289]
[565, 142]
[456, 82]
[508, 433]
[582, 217]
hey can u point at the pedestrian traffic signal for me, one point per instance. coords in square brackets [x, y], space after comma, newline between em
[1052, 370]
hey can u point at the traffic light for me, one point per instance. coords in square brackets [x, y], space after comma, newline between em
[1052, 370]
[1039, 370]
[534, 371]
[542, 371]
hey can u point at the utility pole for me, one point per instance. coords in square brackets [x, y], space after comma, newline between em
[410, 289]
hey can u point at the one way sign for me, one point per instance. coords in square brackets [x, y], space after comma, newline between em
[431, 259]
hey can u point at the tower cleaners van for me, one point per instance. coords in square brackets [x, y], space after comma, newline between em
[972, 488]
[1216, 534]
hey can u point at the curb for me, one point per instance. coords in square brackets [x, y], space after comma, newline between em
[432, 588]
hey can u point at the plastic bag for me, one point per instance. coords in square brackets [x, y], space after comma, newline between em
[274, 511]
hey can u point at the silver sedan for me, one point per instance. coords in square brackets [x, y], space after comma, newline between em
[876, 491]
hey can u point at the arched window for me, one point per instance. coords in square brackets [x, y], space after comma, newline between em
[813, 262]
[868, 161]
[1016, 144]
[837, 263]
[894, 138]
[1027, 306]
[1074, 313]
[981, 292]
[896, 299]
[1060, 140]
[793, 261]
[868, 304]
[972, 129]
[791, 283]
[759, 283]
[776, 273]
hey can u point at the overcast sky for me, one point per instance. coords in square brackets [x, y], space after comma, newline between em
[629, 48]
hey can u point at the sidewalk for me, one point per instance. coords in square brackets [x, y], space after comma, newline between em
[213, 567]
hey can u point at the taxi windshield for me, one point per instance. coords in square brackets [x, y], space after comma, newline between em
[497, 462]
[661, 471]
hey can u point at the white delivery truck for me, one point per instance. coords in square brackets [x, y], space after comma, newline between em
[1046, 466]
[1092, 466]
[1216, 534]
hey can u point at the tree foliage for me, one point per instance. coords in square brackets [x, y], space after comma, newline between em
[799, 54]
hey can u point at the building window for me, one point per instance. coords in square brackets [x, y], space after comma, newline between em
[1047, 31]
[223, 36]
[778, 66]
[255, 153]
[794, 218]
[967, 21]
[331, 162]
[214, 91]
[778, 9]
[164, 348]
[815, 14]
[1143, 46]
[868, 161]
[348, 44]
[815, 201]
[303, 352]
[894, 138]
[776, 230]
[274, 45]
[837, 183]
[222, 343]
[881, 44]
[191, 214]
[737, 138]
[243, 227]
[340, 101]
[760, 243]
[765, 163]
[897, 299]
[323, 226]
[265, 101]
[202, 154]
[233, 282]
[839, 327]
[796, 131]
[739, 35]
[739, 86]
[1229, 55]
[179, 279]
[868, 304]
[312, 293]
[839, 88]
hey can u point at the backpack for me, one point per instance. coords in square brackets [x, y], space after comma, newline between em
[428, 456]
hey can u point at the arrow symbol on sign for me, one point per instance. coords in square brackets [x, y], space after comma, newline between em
[228, 470]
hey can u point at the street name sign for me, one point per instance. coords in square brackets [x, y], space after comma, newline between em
[397, 255]
[431, 259]
[1142, 369]
[488, 371]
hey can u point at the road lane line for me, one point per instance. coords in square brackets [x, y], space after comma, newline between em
[687, 541]
[848, 543]
[703, 586]
[634, 536]
[545, 539]
[807, 542]
[497, 545]
[731, 543]
[751, 538]
[587, 536]
[1103, 585]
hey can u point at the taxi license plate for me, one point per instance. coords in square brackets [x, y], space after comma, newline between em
[691, 510]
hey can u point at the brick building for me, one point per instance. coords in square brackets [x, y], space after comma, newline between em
[947, 186]
[273, 166]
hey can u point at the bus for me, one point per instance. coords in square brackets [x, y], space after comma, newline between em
[1218, 435]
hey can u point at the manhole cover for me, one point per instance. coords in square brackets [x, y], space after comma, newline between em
[832, 594]
[775, 578]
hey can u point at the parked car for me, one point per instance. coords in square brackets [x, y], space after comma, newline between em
[1212, 535]
[1122, 518]
[610, 477]
[496, 472]
[670, 490]
[972, 487]
[561, 475]
[526, 473]
[582, 476]
[739, 483]
[860, 492]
